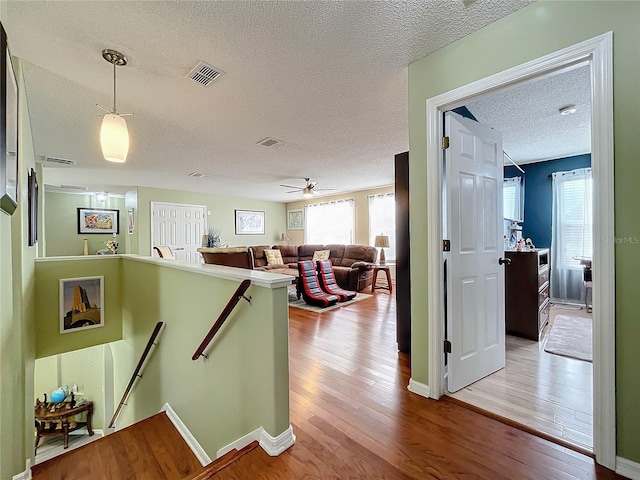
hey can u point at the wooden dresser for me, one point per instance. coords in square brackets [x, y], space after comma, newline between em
[527, 293]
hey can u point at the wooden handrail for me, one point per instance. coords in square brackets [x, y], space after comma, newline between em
[136, 372]
[233, 301]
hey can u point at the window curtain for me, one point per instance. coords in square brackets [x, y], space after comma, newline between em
[571, 232]
[330, 222]
[382, 221]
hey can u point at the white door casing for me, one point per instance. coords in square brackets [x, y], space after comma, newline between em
[475, 280]
[180, 227]
[598, 51]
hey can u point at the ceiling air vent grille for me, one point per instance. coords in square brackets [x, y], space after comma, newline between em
[197, 175]
[269, 142]
[61, 161]
[74, 188]
[204, 74]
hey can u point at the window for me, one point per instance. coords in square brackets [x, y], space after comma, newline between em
[572, 219]
[382, 221]
[331, 222]
[513, 199]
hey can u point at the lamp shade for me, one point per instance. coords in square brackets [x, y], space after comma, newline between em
[382, 241]
[114, 138]
[284, 237]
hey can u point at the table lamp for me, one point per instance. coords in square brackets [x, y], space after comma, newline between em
[284, 238]
[382, 241]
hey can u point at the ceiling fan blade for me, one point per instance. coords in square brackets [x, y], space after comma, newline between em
[312, 184]
[291, 186]
[293, 191]
[324, 188]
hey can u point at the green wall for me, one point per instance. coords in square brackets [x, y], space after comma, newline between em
[49, 340]
[61, 224]
[532, 32]
[244, 384]
[16, 306]
[221, 216]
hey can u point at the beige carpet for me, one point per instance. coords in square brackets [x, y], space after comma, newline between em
[294, 302]
[571, 337]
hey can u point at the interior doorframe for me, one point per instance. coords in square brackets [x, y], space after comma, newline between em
[598, 51]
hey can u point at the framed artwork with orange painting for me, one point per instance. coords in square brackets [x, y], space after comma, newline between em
[98, 220]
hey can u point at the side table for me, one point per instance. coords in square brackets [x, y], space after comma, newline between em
[381, 268]
[62, 420]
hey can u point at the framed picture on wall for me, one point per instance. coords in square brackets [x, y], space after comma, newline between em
[9, 126]
[81, 303]
[98, 220]
[32, 201]
[295, 219]
[249, 222]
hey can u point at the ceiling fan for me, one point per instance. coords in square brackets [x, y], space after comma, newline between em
[309, 190]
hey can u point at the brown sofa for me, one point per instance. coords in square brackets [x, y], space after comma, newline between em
[352, 264]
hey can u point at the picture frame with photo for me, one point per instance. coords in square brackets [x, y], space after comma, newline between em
[295, 219]
[132, 225]
[98, 220]
[249, 222]
[81, 303]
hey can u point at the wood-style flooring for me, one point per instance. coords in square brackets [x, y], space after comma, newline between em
[355, 419]
[545, 392]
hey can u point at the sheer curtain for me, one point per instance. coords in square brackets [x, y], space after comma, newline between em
[571, 234]
[330, 222]
[382, 221]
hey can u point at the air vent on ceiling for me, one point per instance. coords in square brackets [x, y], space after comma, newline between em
[75, 188]
[204, 74]
[197, 175]
[269, 142]
[61, 161]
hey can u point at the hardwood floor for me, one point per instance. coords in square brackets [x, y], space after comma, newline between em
[354, 417]
[545, 392]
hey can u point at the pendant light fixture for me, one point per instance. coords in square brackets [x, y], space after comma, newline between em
[114, 136]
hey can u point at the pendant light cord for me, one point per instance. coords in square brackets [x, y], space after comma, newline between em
[114, 89]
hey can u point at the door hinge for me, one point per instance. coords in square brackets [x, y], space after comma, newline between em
[447, 346]
[446, 245]
[445, 143]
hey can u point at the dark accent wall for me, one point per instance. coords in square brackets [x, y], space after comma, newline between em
[538, 196]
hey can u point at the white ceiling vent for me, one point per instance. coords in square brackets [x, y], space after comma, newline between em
[269, 142]
[197, 175]
[61, 161]
[74, 188]
[204, 74]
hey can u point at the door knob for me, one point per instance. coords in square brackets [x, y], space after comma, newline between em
[505, 261]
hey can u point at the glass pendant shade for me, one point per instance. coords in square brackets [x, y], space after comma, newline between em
[114, 138]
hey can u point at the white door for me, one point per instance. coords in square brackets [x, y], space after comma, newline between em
[475, 278]
[180, 227]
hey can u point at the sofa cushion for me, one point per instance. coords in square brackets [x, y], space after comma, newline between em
[305, 252]
[259, 259]
[321, 255]
[289, 254]
[273, 257]
[358, 253]
[337, 252]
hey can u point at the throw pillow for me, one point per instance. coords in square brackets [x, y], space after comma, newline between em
[321, 255]
[274, 257]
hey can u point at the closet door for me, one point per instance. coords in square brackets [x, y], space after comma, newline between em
[403, 279]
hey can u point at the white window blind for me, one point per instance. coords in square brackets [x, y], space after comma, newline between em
[331, 222]
[572, 218]
[382, 221]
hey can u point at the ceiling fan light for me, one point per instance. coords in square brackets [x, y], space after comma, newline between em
[307, 192]
[114, 138]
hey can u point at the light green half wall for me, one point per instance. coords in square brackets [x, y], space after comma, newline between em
[221, 216]
[532, 32]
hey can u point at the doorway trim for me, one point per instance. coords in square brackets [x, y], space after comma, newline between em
[598, 52]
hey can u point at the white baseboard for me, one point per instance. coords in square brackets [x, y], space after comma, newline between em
[628, 468]
[274, 446]
[241, 442]
[84, 431]
[195, 447]
[418, 388]
[26, 475]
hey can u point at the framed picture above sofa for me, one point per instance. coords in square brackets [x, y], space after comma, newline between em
[295, 219]
[249, 222]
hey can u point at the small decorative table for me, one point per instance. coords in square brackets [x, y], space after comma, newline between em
[381, 268]
[61, 420]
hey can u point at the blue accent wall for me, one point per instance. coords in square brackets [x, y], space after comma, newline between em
[538, 195]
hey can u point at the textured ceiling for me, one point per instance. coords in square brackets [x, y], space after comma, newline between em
[327, 78]
[529, 119]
